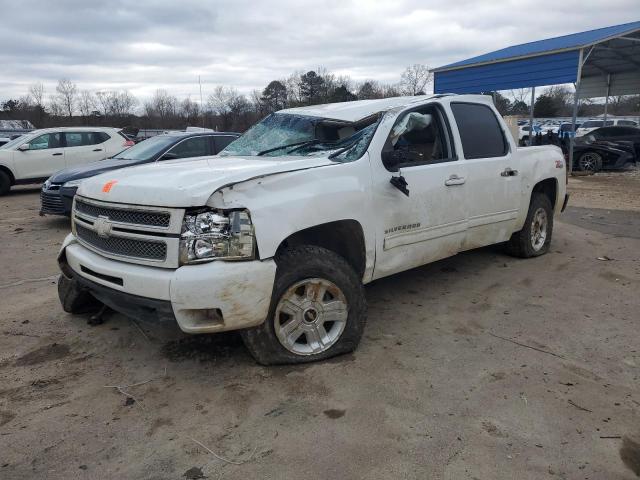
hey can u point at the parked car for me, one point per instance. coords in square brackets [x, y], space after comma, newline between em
[619, 135]
[591, 125]
[277, 235]
[600, 150]
[58, 191]
[4, 140]
[524, 131]
[32, 157]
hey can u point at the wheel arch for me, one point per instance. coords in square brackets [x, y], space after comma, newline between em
[8, 171]
[343, 237]
[548, 187]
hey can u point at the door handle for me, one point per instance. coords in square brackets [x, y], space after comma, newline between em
[454, 180]
[97, 150]
[507, 172]
[56, 154]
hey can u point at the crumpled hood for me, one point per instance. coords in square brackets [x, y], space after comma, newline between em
[190, 183]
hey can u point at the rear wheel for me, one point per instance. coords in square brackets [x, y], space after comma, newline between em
[535, 237]
[590, 162]
[318, 309]
[5, 183]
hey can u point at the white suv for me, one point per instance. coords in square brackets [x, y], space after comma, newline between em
[33, 157]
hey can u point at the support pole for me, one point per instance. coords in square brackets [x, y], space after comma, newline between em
[533, 96]
[575, 111]
[606, 101]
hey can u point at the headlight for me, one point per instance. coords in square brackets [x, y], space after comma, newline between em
[209, 235]
[72, 183]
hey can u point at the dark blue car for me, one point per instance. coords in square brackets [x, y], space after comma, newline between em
[58, 191]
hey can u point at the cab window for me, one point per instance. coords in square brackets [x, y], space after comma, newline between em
[480, 131]
[48, 140]
[191, 147]
[418, 137]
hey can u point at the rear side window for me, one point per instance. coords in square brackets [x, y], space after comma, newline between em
[628, 123]
[192, 147]
[480, 131]
[222, 141]
[80, 139]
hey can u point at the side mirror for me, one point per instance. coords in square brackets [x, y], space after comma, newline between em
[169, 156]
[392, 158]
[24, 147]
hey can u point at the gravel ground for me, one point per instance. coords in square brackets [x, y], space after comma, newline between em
[481, 366]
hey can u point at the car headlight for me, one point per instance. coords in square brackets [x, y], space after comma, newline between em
[72, 183]
[209, 235]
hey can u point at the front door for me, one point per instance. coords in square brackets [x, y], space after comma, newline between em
[44, 157]
[493, 179]
[429, 223]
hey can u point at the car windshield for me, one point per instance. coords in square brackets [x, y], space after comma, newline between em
[146, 149]
[282, 134]
[16, 141]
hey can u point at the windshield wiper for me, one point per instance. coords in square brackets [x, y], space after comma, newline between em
[297, 144]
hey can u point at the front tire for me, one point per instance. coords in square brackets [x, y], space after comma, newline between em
[5, 183]
[318, 309]
[75, 299]
[535, 237]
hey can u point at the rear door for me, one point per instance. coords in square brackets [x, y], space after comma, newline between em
[84, 147]
[493, 180]
[44, 157]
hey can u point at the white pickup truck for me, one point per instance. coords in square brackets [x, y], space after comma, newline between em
[277, 236]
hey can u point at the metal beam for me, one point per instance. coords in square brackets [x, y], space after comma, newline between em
[629, 38]
[606, 101]
[575, 111]
[533, 97]
[620, 55]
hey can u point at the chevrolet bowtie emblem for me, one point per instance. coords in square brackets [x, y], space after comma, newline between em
[102, 226]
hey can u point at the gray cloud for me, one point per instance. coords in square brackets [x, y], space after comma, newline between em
[143, 46]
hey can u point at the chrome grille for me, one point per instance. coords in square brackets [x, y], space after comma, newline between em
[126, 247]
[134, 217]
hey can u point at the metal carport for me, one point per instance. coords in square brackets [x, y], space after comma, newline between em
[600, 63]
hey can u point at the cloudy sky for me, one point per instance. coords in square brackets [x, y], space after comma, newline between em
[142, 45]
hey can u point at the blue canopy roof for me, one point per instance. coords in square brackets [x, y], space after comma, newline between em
[565, 42]
[543, 62]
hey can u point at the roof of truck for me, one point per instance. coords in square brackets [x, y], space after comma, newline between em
[359, 109]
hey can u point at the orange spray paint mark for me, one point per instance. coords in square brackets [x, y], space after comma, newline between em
[108, 186]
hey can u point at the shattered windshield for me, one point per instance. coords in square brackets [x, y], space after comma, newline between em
[282, 134]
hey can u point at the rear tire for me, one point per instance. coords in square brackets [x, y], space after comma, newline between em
[535, 237]
[75, 299]
[5, 183]
[318, 309]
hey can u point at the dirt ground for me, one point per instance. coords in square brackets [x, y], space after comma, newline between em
[481, 366]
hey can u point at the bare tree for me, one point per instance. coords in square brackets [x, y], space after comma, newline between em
[55, 107]
[67, 95]
[414, 79]
[36, 92]
[86, 103]
[122, 103]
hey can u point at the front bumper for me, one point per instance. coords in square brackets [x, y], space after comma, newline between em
[56, 200]
[204, 298]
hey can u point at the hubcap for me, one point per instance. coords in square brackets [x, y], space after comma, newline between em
[539, 229]
[310, 316]
[588, 162]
